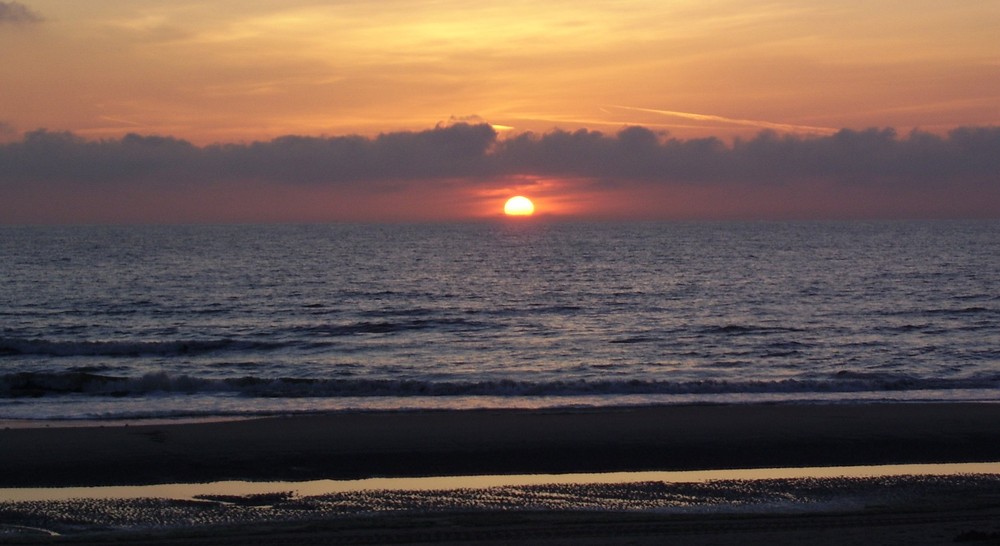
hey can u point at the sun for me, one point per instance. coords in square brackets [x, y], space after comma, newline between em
[519, 206]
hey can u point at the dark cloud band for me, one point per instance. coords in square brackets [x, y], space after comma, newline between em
[474, 153]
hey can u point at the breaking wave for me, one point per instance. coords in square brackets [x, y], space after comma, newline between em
[30, 384]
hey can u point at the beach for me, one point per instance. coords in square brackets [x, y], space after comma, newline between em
[451, 443]
[443, 443]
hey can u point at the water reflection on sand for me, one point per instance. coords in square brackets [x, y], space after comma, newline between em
[326, 487]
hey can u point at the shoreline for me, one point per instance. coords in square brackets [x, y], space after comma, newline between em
[863, 399]
[361, 445]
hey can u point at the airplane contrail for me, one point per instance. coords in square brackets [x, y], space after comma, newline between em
[750, 122]
[122, 121]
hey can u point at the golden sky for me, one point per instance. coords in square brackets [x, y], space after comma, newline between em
[240, 70]
[243, 71]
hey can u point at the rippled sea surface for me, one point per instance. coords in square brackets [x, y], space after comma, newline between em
[107, 322]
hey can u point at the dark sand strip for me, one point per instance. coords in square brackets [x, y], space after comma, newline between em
[969, 526]
[359, 445]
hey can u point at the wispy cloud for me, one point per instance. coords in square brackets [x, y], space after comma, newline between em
[18, 14]
[121, 121]
[786, 127]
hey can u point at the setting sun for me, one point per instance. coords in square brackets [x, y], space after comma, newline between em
[519, 206]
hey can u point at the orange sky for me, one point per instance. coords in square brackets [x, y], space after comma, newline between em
[239, 71]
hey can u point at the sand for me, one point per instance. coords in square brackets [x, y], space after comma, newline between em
[438, 443]
[360, 445]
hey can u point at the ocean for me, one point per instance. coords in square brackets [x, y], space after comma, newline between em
[136, 322]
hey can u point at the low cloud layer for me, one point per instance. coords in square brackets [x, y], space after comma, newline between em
[467, 156]
[475, 153]
[17, 13]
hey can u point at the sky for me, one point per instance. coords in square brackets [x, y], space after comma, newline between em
[155, 111]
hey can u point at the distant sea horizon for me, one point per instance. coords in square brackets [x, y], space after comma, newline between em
[232, 320]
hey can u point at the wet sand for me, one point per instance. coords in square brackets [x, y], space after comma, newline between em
[447, 443]
[361, 445]
[874, 510]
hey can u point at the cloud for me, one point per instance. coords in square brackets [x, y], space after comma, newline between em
[848, 157]
[964, 163]
[18, 14]
[787, 127]
[461, 150]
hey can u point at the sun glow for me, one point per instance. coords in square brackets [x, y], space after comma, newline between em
[519, 206]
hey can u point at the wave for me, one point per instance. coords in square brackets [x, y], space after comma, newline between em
[974, 310]
[43, 347]
[389, 327]
[14, 346]
[746, 329]
[39, 384]
[945, 311]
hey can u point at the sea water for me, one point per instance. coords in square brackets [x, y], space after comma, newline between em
[104, 322]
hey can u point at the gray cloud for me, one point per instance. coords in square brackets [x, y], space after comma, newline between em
[458, 150]
[873, 156]
[18, 13]
[967, 160]
[44, 157]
